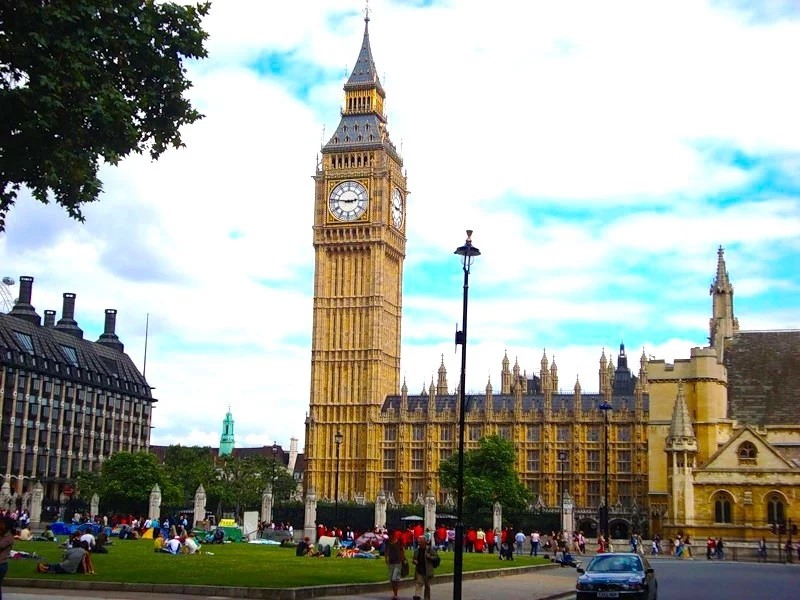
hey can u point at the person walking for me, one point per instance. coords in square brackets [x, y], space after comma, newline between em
[425, 561]
[719, 549]
[6, 542]
[395, 556]
[762, 549]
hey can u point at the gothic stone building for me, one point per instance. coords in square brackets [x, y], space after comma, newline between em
[67, 403]
[724, 430]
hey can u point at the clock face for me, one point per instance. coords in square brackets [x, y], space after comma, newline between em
[397, 208]
[348, 201]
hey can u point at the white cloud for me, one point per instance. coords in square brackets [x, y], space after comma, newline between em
[588, 145]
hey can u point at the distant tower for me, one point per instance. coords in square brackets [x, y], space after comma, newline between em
[226, 441]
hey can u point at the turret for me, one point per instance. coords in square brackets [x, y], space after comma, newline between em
[441, 386]
[554, 375]
[505, 375]
[602, 372]
[722, 325]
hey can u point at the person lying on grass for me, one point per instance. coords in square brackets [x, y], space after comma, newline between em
[75, 560]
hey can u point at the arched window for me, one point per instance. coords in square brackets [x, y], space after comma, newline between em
[747, 453]
[775, 509]
[722, 509]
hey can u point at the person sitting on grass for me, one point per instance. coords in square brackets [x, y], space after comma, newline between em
[47, 536]
[101, 541]
[75, 559]
[158, 542]
[302, 547]
[173, 546]
[190, 545]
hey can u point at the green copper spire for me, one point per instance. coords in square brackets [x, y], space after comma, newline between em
[226, 441]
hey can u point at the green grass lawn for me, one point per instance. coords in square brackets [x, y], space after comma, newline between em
[241, 565]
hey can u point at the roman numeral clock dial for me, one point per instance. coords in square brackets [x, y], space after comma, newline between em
[348, 201]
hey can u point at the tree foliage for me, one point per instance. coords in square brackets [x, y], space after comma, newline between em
[490, 476]
[125, 482]
[189, 467]
[85, 80]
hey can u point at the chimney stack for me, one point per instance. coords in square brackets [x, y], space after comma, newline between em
[23, 308]
[49, 318]
[109, 337]
[67, 322]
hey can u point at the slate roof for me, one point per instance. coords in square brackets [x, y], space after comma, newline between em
[680, 428]
[500, 402]
[763, 377]
[49, 345]
[365, 74]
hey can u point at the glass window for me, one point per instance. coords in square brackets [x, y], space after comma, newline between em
[418, 433]
[71, 354]
[417, 460]
[593, 433]
[562, 458]
[624, 493]
[593, 493]
[775, 510]
[389, 460]
[534, 433]
[562, 433]
[504, 431]
[445, 454]
[389, 485]
[533, 461]
[446, 433]
[25, 341]
[747, 453]
[475, 433]
[624, 461]
[624, 433]
[390, 433]
[722, 509]
[593, 461]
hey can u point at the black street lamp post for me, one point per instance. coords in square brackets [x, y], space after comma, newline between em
[274, 480]
[562, 456]
[338, 439]
[467, 252]
[606, 408]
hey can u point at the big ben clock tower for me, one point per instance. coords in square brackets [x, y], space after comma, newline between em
[359, 244]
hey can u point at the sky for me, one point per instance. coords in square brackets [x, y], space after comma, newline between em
[601, 152]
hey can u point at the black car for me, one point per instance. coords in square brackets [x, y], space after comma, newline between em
[617, 575]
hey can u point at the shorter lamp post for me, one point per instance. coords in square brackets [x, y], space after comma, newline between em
[605, 407]
[338, 438]
[274, 476]
[562, 456]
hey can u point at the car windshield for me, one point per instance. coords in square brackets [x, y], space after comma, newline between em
[614, 564]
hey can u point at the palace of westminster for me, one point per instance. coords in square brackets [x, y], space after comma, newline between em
[709, 443]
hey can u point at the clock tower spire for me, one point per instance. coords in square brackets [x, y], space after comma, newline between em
[359, 246]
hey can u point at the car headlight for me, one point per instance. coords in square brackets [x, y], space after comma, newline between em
[583, 586]
[633, 584]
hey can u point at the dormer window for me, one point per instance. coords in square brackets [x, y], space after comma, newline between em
[747, 453]
[25, 340]
[71, 354]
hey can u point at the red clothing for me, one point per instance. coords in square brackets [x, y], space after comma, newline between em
[490, 536]
[441, 534]
[472, 535]
[417, 530]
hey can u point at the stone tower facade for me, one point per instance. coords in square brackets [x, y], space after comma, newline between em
[359, 243]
